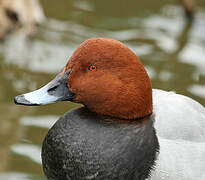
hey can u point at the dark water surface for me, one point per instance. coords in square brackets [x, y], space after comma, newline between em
[172, 51]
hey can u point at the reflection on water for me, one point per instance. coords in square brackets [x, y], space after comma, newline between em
[199, 90]
[172, 51]
[27, 150]
[39, 121]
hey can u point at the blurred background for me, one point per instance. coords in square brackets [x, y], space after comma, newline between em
[37, 39]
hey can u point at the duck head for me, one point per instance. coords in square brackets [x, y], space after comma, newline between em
[105, 76]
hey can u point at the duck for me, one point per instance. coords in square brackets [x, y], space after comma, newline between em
[124, 129]
[20, 13]
[189, 9]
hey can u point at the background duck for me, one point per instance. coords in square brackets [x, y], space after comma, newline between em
[106, 138]
[188, 8]
[17, 13]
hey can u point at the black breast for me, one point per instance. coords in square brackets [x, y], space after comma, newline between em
[82, 145]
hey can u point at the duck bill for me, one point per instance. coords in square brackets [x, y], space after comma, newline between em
[56, 90]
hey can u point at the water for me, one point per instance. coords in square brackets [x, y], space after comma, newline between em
[172, 51]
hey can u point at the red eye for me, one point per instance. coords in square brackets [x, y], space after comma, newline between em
[92, 68]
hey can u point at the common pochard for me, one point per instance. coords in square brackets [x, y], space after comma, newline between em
[113, 135]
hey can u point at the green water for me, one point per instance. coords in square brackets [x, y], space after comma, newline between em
[172, 51]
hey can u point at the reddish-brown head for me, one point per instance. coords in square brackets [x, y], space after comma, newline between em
[109, 79]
